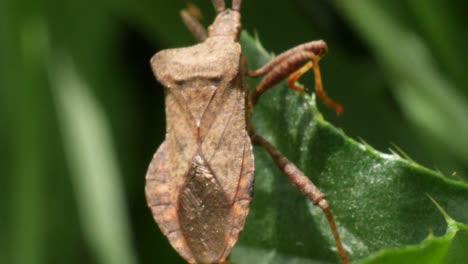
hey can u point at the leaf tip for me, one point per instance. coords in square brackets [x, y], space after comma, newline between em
[448, 219]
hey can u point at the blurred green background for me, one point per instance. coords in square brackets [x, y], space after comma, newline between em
[81, 114]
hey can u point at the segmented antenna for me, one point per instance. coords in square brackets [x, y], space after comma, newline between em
[219, 5]
[236, 5]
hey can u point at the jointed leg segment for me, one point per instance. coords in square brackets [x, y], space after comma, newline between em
[289, 64]
[313, 64]
[304, 185]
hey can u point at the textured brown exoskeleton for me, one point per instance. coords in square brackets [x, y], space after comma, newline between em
[199, 184]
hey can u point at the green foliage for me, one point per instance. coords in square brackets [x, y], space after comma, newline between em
[95, 176]
[451, 248]
[428, 97]
[81, 115]
[379, 199]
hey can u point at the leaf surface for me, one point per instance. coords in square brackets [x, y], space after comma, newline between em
[379, 200]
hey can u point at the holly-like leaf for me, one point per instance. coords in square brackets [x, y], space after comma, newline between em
[379, 200]
[449, 249]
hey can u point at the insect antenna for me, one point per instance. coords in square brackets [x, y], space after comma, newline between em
[236, 5]
[219, 5]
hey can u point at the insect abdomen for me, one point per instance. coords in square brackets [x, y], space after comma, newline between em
[204, 212]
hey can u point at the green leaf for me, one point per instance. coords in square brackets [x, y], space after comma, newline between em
[428, 97]
[95, 175]
[379, 200]
[451, 248]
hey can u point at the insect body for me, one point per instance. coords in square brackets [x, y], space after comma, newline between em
[199, 184]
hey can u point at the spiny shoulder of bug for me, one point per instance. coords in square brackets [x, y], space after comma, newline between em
[227, 24]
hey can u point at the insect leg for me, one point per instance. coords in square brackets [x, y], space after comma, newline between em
[290, 63]
[305, 186]
[313, 64]
[189, 16]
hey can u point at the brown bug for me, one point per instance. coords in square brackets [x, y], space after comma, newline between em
[199, 184]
